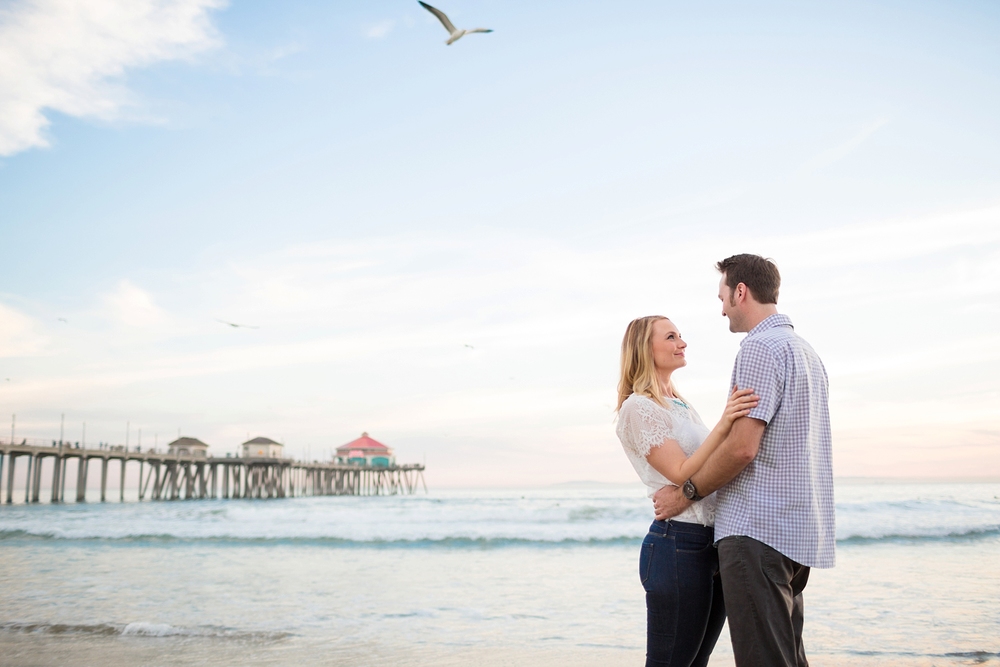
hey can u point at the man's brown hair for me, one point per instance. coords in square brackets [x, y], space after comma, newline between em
[759, 275]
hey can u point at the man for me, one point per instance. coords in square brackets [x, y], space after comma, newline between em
[773, 474]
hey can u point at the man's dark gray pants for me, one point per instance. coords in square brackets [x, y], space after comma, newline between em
[763, 592]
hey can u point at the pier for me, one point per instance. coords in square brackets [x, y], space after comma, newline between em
[177, 477]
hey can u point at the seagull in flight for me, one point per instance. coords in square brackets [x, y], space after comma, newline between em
[454, 34]
[238, 326]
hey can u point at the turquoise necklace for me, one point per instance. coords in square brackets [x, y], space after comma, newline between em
[681, 403]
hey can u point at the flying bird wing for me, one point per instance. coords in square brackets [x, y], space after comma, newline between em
[237, 326]
[441, 16]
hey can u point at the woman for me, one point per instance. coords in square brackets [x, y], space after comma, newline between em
[666, 442]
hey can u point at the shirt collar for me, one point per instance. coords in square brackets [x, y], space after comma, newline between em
[771, 322]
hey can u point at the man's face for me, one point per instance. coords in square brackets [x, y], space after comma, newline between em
[729, 308]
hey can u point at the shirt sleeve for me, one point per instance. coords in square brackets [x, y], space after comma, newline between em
[757, 368]
[642, 426]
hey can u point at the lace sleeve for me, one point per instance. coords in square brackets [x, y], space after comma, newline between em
[696, 418]
[642, 425]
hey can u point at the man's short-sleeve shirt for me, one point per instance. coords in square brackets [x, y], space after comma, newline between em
[784, 497]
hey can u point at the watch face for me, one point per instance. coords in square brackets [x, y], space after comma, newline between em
[689, 491]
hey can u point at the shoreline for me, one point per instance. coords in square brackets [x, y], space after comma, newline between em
[24, 650]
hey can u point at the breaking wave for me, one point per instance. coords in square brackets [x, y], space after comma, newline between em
[453, 542]
[138, 629]
[494, 519]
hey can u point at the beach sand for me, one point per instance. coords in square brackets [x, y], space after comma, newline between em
[52, 651]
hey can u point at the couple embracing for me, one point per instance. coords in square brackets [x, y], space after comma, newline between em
[742, 511]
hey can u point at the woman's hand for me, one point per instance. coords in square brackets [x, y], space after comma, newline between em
[740, 402]
[671, 461]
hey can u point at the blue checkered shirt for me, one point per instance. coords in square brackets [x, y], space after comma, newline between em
[784, 498]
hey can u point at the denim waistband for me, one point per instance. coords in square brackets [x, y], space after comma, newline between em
[671, 526]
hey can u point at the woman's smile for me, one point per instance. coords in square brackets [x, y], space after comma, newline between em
[668, 346]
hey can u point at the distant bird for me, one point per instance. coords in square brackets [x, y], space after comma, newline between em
[454, 34]
[238, 326]
[63, 319]
[469, 346]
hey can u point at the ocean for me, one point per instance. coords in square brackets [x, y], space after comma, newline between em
[463, 577]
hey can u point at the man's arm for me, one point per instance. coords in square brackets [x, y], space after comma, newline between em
[725, 463]
[731, 457]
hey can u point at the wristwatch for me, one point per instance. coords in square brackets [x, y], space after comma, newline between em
[690, 491]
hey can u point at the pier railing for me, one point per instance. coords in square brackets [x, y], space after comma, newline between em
[173, 477]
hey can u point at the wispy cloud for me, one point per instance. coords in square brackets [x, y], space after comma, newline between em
[379, 30]
[340, 320]
[839, 152]
[71, 57]
[892, 240]
[134, 307]
[20, 335]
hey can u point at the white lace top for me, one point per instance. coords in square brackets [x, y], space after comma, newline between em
[643, 424]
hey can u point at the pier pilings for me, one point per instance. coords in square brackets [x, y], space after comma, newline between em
[166, 477]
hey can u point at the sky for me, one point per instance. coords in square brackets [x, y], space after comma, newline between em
[442, 245]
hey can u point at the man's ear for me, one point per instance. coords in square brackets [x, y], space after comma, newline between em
[741, 292]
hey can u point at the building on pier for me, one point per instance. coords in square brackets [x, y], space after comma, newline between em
[366, 451]
[263, 448]
[165, 476]
[187, 447]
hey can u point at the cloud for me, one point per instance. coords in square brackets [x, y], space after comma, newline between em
[837, 153]
[71, 57]
[370, 334]
[20, 335]
[892, 240]
[380, 30]
[134, 307]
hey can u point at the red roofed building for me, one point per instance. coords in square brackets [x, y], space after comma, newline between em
[366, 451]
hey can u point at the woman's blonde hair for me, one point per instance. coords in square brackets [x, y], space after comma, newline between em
[638, 370]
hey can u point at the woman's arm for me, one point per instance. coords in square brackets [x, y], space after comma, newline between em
[670, 460]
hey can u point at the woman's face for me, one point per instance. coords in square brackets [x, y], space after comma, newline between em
[668, 348]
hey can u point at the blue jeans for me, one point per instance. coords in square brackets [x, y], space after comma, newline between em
[685, 611]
